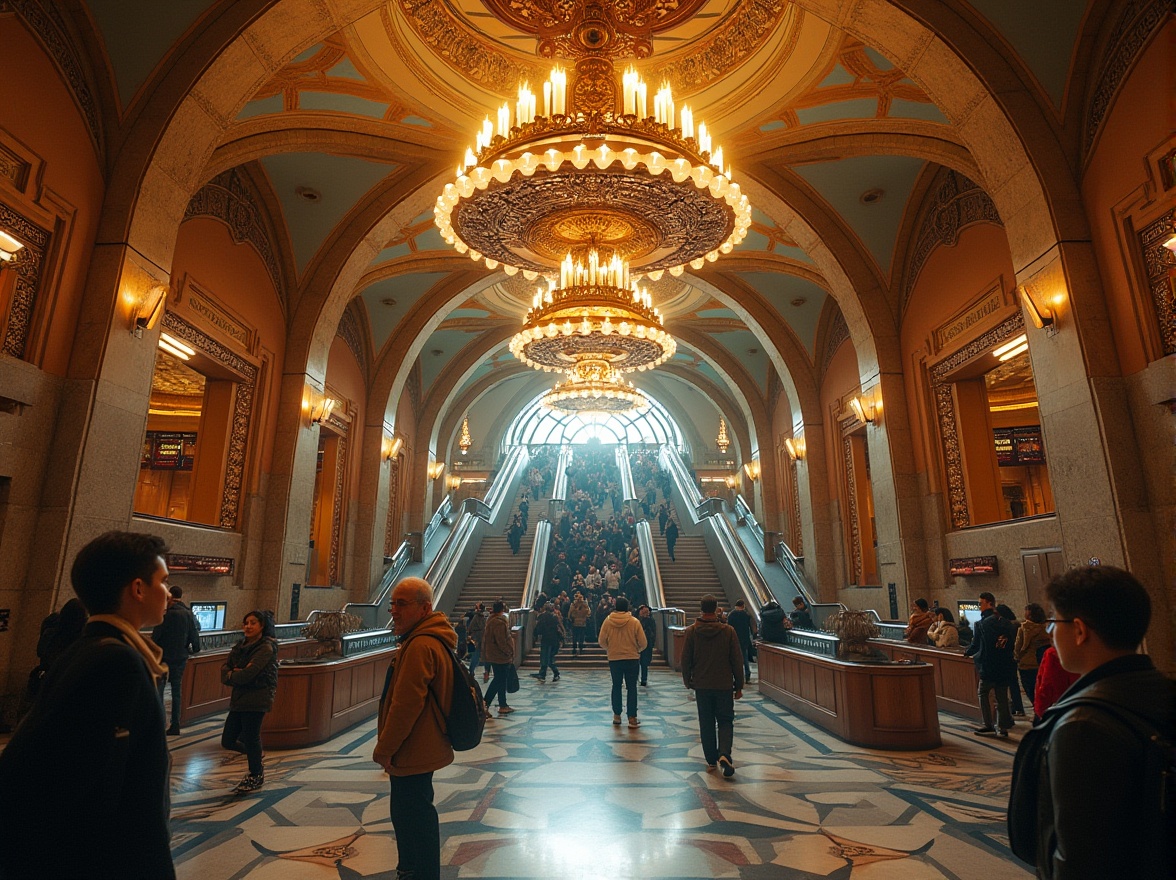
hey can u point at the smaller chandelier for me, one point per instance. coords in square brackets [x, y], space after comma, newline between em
[596, 314]
[722, 441]
[594, 387]
[465, 441]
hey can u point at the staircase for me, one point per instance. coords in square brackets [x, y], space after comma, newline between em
[689, 578]
[496, 572]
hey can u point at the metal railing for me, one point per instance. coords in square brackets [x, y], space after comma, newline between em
[727, 551]
[743, 512]
[628, 490]
[443, 511]
[650, 573]
[536, 578]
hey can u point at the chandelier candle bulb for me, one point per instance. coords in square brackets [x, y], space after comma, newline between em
[504, 120]
[641, 100]
[687, 123]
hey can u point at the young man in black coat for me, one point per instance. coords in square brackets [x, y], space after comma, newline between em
[179, 637]
[85, 776]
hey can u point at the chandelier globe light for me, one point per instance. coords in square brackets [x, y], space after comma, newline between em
[526, 192]
[594, 388]
[594, 313]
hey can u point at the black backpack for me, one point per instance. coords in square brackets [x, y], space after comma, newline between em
[1030, 774]
[467, 711]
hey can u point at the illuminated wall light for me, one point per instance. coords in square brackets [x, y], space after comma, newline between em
[865, 410]
[8, 246]
[796, 447]
[1041, 317]
[1170, 244]
[436, 469]
[453, 483]
[321, 408]
[730, 480]
[148, 309]
[391, 447]
[752, 469]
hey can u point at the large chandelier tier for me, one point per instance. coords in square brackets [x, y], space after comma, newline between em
[652, 188]
[591, 316]
[594, 388]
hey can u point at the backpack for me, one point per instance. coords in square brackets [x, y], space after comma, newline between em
[467, 710]
[1030, 773]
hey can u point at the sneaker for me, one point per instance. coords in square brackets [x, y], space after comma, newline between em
[634, 722]
[984, 731]
[504, 710]
[728, 767]
[174, 730]
[616, 719]
[249, 783]
[1003, 734]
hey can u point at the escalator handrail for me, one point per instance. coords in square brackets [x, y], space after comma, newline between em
[536, 578]
[654, 589]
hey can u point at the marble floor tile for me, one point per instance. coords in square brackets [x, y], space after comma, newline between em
[555, 791]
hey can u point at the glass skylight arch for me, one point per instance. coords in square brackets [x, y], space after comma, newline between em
[537, 424]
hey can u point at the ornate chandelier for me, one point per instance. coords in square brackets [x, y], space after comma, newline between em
[594, 314]
[653, 189]
[723, 440]
[465, 441]
[593, 387]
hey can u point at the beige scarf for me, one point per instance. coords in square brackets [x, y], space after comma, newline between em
[152, 654]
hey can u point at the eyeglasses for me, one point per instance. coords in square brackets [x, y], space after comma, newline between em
[1052, 622]
[404, 603]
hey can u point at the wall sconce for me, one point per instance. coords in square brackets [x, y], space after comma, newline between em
[8, 246]
[465, 441]
[796, 448]
[730, 480]
[865, 410]
[391, 447]
[752, 469]
[321, 410]
[1040, 316]
[453, 483]
[722, 441]
[147, 311]
[436, 469]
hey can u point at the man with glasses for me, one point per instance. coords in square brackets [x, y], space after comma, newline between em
[411, 744]
[1110, 738]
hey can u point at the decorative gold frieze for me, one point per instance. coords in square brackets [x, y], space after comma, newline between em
[29, 265]
[1159, 264]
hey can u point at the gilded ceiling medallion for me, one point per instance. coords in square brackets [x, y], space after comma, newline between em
[576, 232]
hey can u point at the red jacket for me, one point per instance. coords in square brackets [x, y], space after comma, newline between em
[1052, 681]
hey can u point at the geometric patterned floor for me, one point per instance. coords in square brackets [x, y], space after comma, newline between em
[555, 791]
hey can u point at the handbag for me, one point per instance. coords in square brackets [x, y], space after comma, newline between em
[512, 680]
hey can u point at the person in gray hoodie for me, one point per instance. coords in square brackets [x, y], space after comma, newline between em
[623, 639]
[712, 666]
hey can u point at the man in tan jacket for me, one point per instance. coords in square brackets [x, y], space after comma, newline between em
[623, 640]
[411, 727]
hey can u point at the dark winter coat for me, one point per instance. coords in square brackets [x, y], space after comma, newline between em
[85, 776]
[252, 671]
[711, 659]
[178, 635]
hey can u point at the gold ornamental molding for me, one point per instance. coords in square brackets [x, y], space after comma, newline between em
[957, 494]
[853, 528]
[245, 392]
[29, 265]
[1159, 263]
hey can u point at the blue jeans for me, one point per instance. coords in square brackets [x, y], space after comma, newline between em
[175, 678]
[716, 715]
[498, 684]
[418, 832]
[475, 654]
[645, 659]
[547, 658]
[745, 650]
[624, 670]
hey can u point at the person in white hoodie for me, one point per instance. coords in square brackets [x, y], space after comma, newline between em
[623, 640]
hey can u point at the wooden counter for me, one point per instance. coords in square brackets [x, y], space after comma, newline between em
[956, 678]
[315, 701]
[875, 706]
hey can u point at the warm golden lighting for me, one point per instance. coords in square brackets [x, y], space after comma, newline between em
[321, 410]
[453, 483]
[148, 309]
[1040, 316]
[722, 441]
[731, 480]
[865, 410]
[752, 469]
[796, 448]
[1170, 244]
[593, 387]
[9, 246]
[391, 447]
[175, 347]
[465, 441]
[436, 469]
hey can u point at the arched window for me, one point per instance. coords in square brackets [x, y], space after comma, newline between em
[537, 424]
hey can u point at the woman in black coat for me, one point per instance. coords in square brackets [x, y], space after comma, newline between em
[252, 672]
